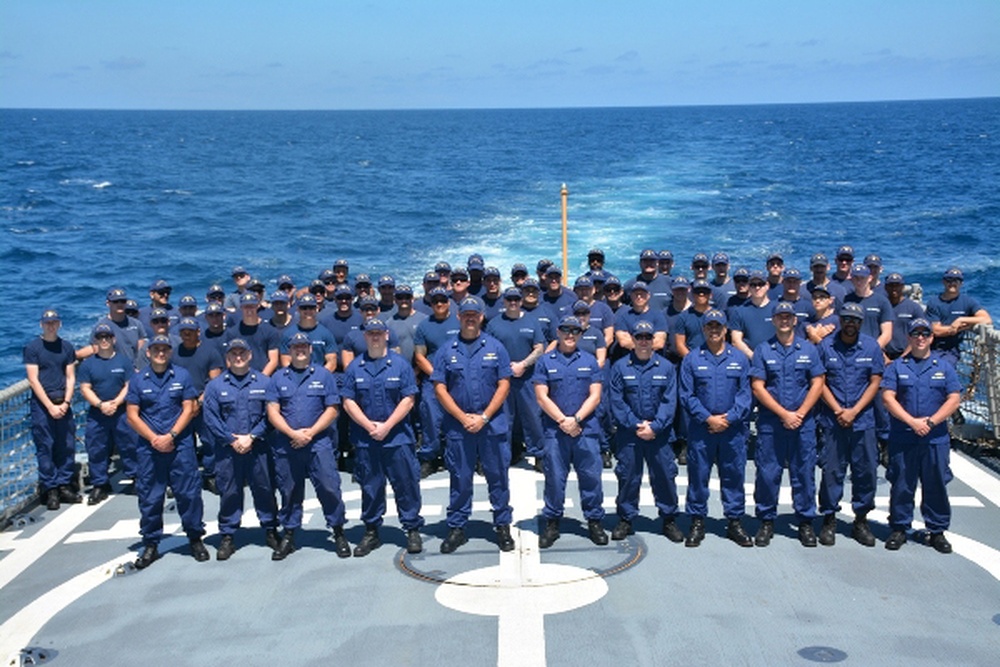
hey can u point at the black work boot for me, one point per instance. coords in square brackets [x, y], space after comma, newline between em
[697, 532]
[368, 543]
[343, 547]
[286, 546]
[828, 533]
[735, 532]
[549, 535]
[764, 533]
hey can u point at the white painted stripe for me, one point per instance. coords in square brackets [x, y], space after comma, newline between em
[29, 550]
[982, 481]
[17, 631]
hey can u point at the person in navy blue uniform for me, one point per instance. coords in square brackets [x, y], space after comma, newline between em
[952, 313]
[787, 381]
[657, 284]
[235, 413]
[775, 268]
[103, 379]
[823, 322]
[491, 294]
[522, 337]
[844, 259]
[686, 334]
[159, 297]
[471, 376]
[130, 333]
[160, 404]
[854, 367]
[819, 266]
[556, 300]
[905, 310]
[261, 336]
[378, 393]
[921, 390]
[568, 389]
[643, 397]
[324, 345]
[715, 396]
[302, 401]
[626, 318]
[750, 324]
[241, 280]
[203, 363]
[876, 307]
[50, 364]
[281, 318]
[723, 287]
[431, 335]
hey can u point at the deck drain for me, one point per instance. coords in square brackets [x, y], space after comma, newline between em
[822, 654]
[36, 656]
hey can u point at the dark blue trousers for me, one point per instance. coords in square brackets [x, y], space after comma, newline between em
[779, 448]
[233, 472]
[55, 446]
[926, 463]
[841, 446]
[584, 454]
[461, 452]
[728, 452]
[372, 465]
[178, 469]
[318, 461]
[658, 455]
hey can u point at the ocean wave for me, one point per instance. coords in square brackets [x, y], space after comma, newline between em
[102, 185]
[25, 163]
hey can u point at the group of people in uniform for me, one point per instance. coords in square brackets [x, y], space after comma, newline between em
[657, 371]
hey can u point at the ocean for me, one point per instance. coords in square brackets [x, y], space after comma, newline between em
[92, 199]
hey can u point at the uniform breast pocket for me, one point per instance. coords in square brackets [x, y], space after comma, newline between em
[257, 406]
[226, 407]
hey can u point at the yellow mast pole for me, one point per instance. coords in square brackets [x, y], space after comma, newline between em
[565, 236]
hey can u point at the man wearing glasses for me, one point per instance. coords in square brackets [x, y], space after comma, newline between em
[920, 391]
[324, 346]
[643, 396]
[431, 335]
[751, 323]
[129, 333]
[568, 389]
[159, 298]
[241, 279]
[263, 339]
[404, 321]
[952, 313]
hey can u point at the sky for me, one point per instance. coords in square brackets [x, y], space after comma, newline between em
[400, 54]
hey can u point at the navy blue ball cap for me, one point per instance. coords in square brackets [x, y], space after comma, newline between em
[954, 273]
[581, 306]
[404, 290]
[530, 283]
[699, 258]
[187, 300]
[649, 253]
[743, 273]
[442, 267]
[553, 270]
[214, 308]
[570, 322]
[437, 291]
[543, 264]
[819, 259]
[599, 276]
[248, 298]
[517, 269]
[852, 310]
[158, 314]
[317, 287]
[845, 251]
[894, 279]
[638, 286]
[342, 290]
[280, 297]
[475, 263]
[596, 252]
[285, 280]
[720, 258]
[680, 282]
[340, 264]
[161, 340]
[327, 274]
[459, 272]
[367, 302]
[873, 260]
[374, 324]
[471, 304]
[362, 279]
[784, 308]
[104, 329]
[237, 344]
[583, 281]
[714, 315]
[643, 327]
[215, 290]
[431, 277]
[131, 304]
[386, 281]
[188, 324]
[256, 285]
[860, 271]
[612, 281]
[700, 286]
[820, 289]
[491, 272]
[791, 273]
[917, 324]
[512, 294]
[757, 274]
[775, 256]
[117, 294]
[299, 338]
[237, 270]
[306, 300]
[159, 286]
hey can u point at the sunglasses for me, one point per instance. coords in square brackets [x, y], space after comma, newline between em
[103, 336]
[922, 333]
[575, 331]
[644, 336]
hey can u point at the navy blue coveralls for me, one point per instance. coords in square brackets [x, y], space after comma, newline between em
[716, 384]
[518, 338]
[433, 334]
[470, 371]
[160, 397]
[378, 386]
[644, 391]
[922, 387]
[787, 372]
[849, 370]
[303, 395]
[106, 378]
[55, 439]
[234, 404]
[569, 377]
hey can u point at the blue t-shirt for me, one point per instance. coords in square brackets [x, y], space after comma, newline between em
[106, 377]
[52, 358]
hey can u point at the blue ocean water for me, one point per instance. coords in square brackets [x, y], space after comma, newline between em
[91, 199]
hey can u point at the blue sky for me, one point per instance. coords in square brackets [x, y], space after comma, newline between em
[342, 54]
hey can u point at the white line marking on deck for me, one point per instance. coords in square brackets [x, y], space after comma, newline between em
[981, 481]
[29, 550]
